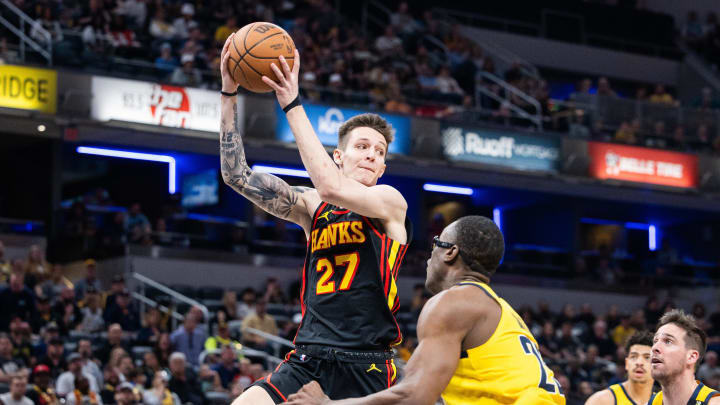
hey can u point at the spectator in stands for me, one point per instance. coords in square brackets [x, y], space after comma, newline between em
[116, 287]
[262, 321]
[625, 134]
[90, 279]
[20, 338]
[66, 311]
[403, 21]
[16, 300]
[247, 303]
[114, 340]
[623, 331]
[189, 339]
[183, 381]
[41, 392]
[82, 393]
[166, 62]
[159, 394]
[678, 138]
[586, 315]
[567, 342]
[134, 11]
[396, 103]
[604, 88]
[224, 31]
[221, 339]
[653, 312]
[54, 358]
[447, 84]
[54, 284]
[125, 394]
[599, 337]
[163, 349]
[36, 263]
[709, 367]
[185, 23]
[227, 368]
[548, 344]
[46, 22]
[9, 366]
[138, 226]
[89, 363]
[149, 334]
[16, 396]
[661, 96]
[92, 315]
[274, 293]
[160, 28]
[230, 305]
[125, 313]
[150, 366]
[124, 365]
[389, 44]
[185, 75]
[66, 382]
[111, 379]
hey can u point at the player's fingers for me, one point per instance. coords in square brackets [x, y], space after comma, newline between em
[285, 67]
[271, 83]
[226, 46]
[296, 62]
[278, 73]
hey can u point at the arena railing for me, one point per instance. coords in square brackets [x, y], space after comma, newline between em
[145, 282]
[535, 118]
[24, 39]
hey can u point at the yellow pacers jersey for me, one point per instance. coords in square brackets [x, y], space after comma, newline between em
[507, 369]
[621, 396]
[701, 396]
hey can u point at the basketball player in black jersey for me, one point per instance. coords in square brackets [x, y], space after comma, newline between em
[357, 234]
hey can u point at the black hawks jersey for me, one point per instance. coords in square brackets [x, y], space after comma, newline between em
[349, 295]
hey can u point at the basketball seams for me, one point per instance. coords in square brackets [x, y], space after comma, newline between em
[252, 85]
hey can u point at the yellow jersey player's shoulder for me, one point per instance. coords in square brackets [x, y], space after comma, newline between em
[604, 397]
[441, 310]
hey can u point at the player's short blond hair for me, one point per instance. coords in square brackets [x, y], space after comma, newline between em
[368, 120]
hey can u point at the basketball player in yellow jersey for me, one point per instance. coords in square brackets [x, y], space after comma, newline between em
[678, 348]
[638, 387]
[473, 347]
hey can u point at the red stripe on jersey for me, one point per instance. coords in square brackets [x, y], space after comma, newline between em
[317, 213]
[302, 300]
[389, 372]
[267, 380]
[399, 259]
[379, 235]
[340, 212]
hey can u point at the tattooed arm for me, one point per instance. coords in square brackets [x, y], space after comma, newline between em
[268, 192]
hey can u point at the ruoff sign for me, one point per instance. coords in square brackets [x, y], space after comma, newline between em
[642, 165]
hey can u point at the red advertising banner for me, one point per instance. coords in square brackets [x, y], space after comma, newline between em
[642, 165]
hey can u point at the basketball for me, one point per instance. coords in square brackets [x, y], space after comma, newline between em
[254, 47]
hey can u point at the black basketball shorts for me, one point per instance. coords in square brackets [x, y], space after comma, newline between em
[341, 373]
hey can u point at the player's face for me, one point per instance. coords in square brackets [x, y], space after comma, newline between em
[436, 267]
[363, 158]
[637, 363]
[669, 354]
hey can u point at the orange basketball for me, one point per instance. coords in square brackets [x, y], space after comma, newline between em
[254, 47]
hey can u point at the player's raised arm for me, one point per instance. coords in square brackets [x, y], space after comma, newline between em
[429, 370]
[383, 202]
[268, 192]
